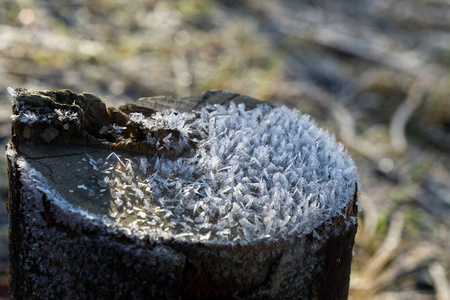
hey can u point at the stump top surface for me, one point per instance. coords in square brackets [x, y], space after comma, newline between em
[219, 174]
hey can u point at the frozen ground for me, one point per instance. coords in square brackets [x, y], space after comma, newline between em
[373, 72]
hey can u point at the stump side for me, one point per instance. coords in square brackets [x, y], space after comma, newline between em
[56, 253]
[50, 261]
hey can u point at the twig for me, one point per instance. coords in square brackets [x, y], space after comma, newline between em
[402, 115]
[406, 263]
[441, 283]
[389, 246]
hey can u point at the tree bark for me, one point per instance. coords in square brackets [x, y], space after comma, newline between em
[57, 251]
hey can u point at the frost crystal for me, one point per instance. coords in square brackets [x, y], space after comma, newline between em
[266, 173]
[11, 91]
[64, 117]
[170, 121]
[29, 117]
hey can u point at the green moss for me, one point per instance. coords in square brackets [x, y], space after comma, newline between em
[383, 222]
[43, 58]
[192, 8]
[413, 221]
[399, 195]
[12, 13]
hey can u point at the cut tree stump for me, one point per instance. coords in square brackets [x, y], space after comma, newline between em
[216, 196]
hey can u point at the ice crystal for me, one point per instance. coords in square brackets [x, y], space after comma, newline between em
[112, 129]
[29, 117]
[12, 91]
[66, 115]
[168, 120]
[265, 173]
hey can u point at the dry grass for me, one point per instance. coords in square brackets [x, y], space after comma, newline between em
[373, 72]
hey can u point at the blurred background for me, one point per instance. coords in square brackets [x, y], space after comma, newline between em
[375, 73]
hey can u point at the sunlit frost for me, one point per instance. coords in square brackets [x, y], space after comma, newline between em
[254, 175]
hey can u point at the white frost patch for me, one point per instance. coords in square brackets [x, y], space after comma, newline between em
[64, 117]
[112, 129]
[167, 120]
[258, 174]
[29, 117]
[12, 91]
[10, 153]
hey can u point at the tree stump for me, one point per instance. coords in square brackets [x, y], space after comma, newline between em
[216, 196]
